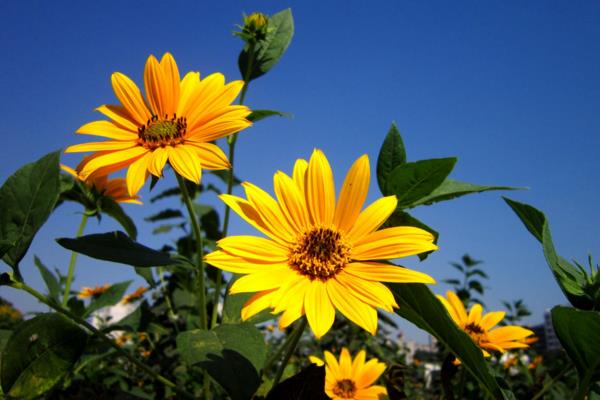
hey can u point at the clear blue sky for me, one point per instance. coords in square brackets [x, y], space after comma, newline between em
[510, 88]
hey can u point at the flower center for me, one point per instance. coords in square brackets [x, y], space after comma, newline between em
[346, 389]
[162, 132]
[319, 253]
[476, 332]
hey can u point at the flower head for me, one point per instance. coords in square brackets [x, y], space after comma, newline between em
[351, 379]
[176, 123]
[319, 255]
[115, 188]
[481, 327]
[255, 28]
[92, 291]
[136, 295]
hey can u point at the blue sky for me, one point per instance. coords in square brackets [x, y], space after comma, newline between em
[510, 88]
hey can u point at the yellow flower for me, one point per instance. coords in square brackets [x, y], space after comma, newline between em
[318, 256]
[130, 298]
[115, 188]
[92, 291]
[175, 123]
[480, 327]
[536, 361]
[351, 379]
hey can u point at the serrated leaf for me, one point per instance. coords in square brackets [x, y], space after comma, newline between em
[113, 209]
[270, 50]
[451, 189]
[579, 333]
[112, 296]
[413, 181]
[28, 197]
[232, 354]
[169, 213]
[257, 115]
[418, 305]
[391, 155]
[117, 247]
[39, 353]
[50, 280]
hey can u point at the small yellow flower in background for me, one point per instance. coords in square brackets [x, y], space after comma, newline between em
[481, 327]
[319, 255]
[130, 298]
[115, 188]
[510, 362]
[351, 379]
[92, 291]
[176, 122]
[536, 361]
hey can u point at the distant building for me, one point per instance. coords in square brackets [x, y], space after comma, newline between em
[548, 342]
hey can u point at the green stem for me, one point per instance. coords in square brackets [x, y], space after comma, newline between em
[199, 250]
[73, 260]
[172, 315]
[447, 372]
[231, 140]
[98, 333]
[293, 340]
[582, 387]
[552, 381]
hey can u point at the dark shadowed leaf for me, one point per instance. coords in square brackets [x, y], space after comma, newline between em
[391, 155]
[232, 354]
[112, 296]
[307, 384]
[27, 197]
[257, 115]
[271, 49]
[113, 209]
[117, 247]
[418, 305]
[413, 181]
[146, 273]
[451, 189]
[164, 214]
[39, 353]
[49, 279]
[579, 333]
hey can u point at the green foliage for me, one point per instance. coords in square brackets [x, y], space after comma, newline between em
[418, 305]
[116, 247]
[517, 310]
[391, 155]
[38, 354]
[257, 58]
[111, 297]
[257, 115]
[572, 281]
[27, 197]
[579, 333]
[469, 282]
[232, 354]
[52, 283]
[451, 189]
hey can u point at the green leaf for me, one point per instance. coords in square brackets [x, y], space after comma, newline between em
[418, 305]
[39, 353]
[579, 333]
[391, 155]
[232, 354]
[49, 279]
[113, 209]
[451, 189]
[411, 182]
[5, 245]
[164, 214]
[116, 247]
[307, 384]
[112, 296]
[570, 279]
[257, 115]
[146, 273]
[28, 197]
[268, 51]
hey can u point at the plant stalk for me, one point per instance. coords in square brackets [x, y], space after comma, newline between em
[552, 381]
[293, 340]
[73, 261]
[448, 371]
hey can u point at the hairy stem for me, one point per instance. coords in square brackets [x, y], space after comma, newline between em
[73, 261]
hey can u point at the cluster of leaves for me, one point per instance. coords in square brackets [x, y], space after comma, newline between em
[470, 282]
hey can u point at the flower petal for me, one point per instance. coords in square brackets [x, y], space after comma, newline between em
[353, 194]
[320, 190]
[450, 309]
[291, 201]
[263, 280]
[373, 293]
[372, 217]
[154, 82]
[107, 129]
[122, 158]
[130, 96]
[371, 371]
[211, 156]
[137, 174]
[269, 211]
[185, 163]
[345, 363]
[475, 314]
[100, 146]
[171, 83]
[257, 303]
[354, 309]
[239, 265]
[160, 155]
[253, 248]
[399, 241]
[120, 116]
[508, 333]
[374, 271]
[491, 319]
[299, 174]
[319, 310]
[458, 306]
[371, 393]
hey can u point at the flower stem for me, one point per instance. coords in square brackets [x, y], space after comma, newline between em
[199, 250]
[551, 382]
[448, 371]
[73, 261]
[99, 334]
[290, 343]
